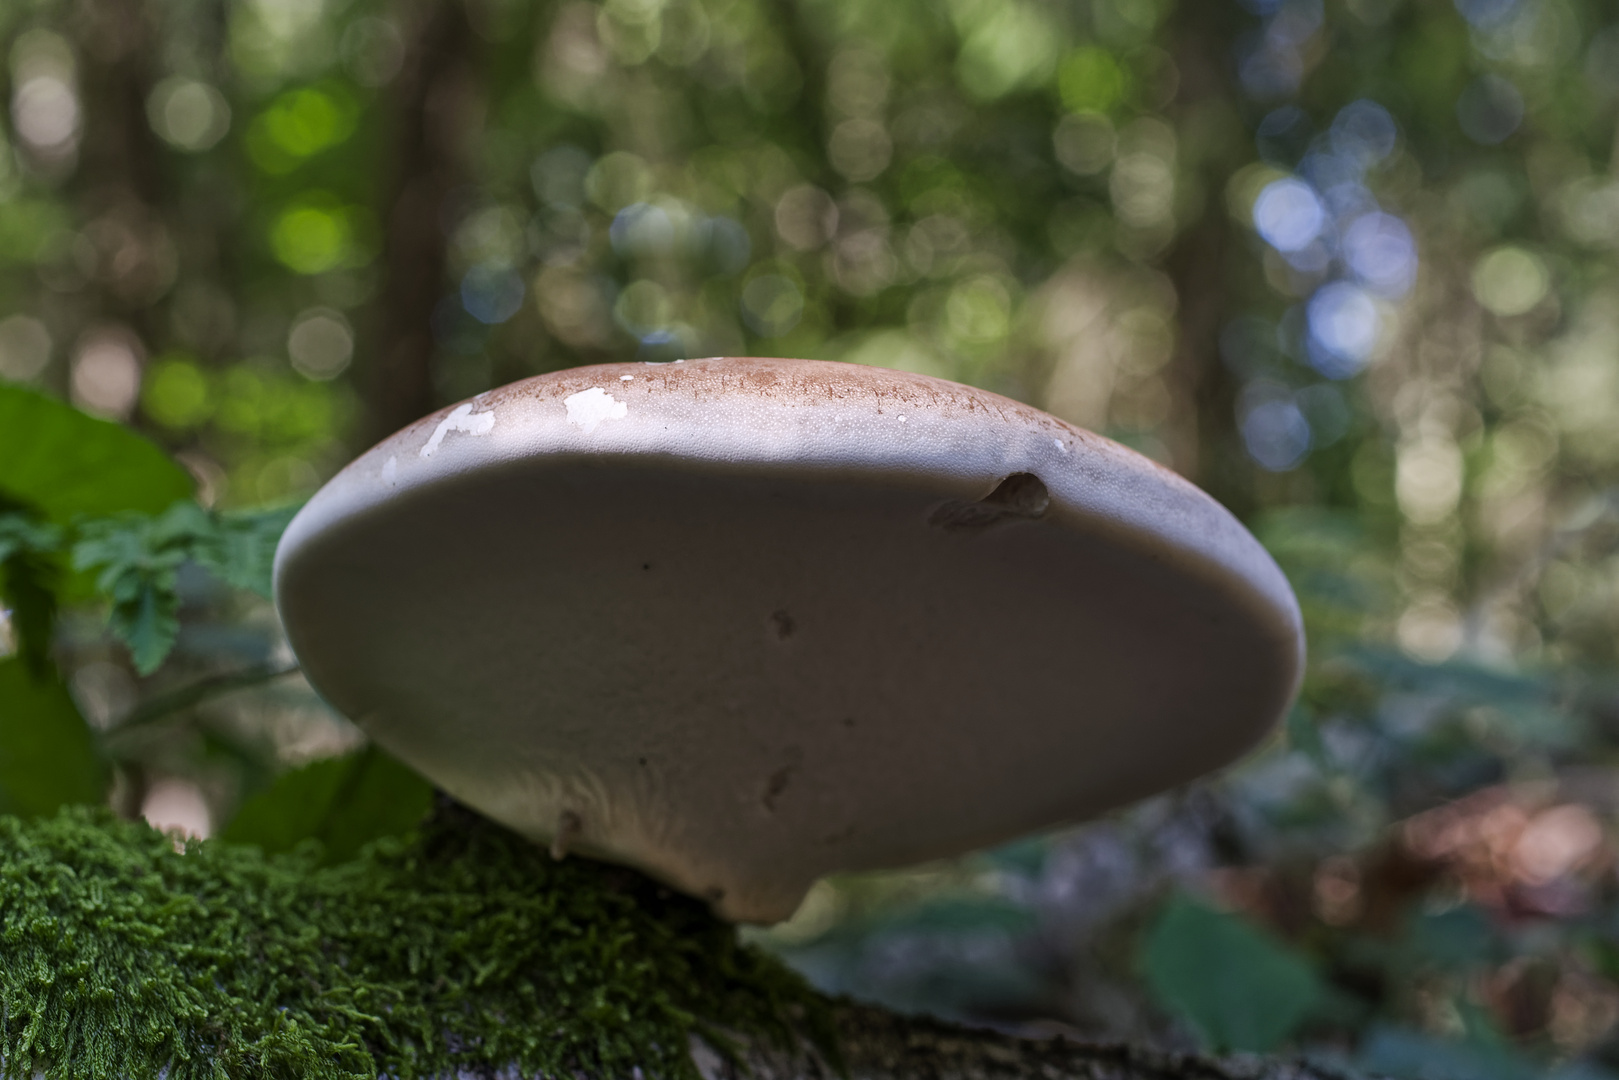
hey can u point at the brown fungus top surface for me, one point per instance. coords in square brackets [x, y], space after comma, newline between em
[744, 622]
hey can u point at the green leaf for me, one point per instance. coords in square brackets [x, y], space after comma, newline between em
[1460, 679]
[1393, 1051]
[961, 915]
[242, 549]
[1303, 735]
[343, 802]
[1240, 988]
[65, 463]
[138, 560]
[47, 753]
[30, 571]
[148, 622]
[1462, 939]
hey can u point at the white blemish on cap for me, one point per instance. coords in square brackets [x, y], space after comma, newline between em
[1060, 446]
[626, 378]
[902, 419]
[390, 470]
[588, 408]
[462, 419]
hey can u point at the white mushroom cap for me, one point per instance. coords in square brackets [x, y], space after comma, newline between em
[740, 623]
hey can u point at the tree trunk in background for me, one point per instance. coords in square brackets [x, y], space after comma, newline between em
[436, 117]
[118, 182]
[119, 37]
[118, 188]
[1203, 423]
[1204, 426]
[880, 1045]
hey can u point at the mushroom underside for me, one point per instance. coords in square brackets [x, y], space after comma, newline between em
[741, 683]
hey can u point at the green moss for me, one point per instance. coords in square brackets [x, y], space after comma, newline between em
[460, 951]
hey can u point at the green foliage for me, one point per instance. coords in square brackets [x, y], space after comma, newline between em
[48, 757]
[63, 464]
[137, 557]
[299, 124]
[132, 558]
[1239, 987]
[344, 803]
[239, 546]
[136, 560]
[462, 951]
[29, 574]
[1401, 1052]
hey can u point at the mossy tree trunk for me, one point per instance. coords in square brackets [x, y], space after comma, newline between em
[463, 951]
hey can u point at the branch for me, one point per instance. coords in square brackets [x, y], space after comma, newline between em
[203, 690]
[881, 1045]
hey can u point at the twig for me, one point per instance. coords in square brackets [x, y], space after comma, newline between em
[203, 690]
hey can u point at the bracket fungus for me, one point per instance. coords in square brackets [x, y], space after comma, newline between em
[740, 623]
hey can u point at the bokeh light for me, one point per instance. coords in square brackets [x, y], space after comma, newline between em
[1364, 132]
[1379, 249]
[320, 343]
[1510, 280]
[1344, 327]
[1487, 13]
[1289, 215]
[1274, 428]
[772, 304]
[188, 114]
[25, 347]
[106, 373]
[491, 294]
[1490, 109]
[45, 111]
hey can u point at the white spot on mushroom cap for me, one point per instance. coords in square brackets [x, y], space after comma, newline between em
[626, 378]
[1060, 445]
[589, 408]
[462, 419]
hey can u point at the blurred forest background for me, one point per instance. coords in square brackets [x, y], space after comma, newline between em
[1350, 265]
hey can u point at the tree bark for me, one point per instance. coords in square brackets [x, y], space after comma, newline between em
[881, 1045]
[435, 119]
[1202, 433]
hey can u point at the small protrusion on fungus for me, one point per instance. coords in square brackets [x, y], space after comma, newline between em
[569, 826]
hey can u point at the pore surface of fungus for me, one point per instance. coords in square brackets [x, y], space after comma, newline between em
[743, 622]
